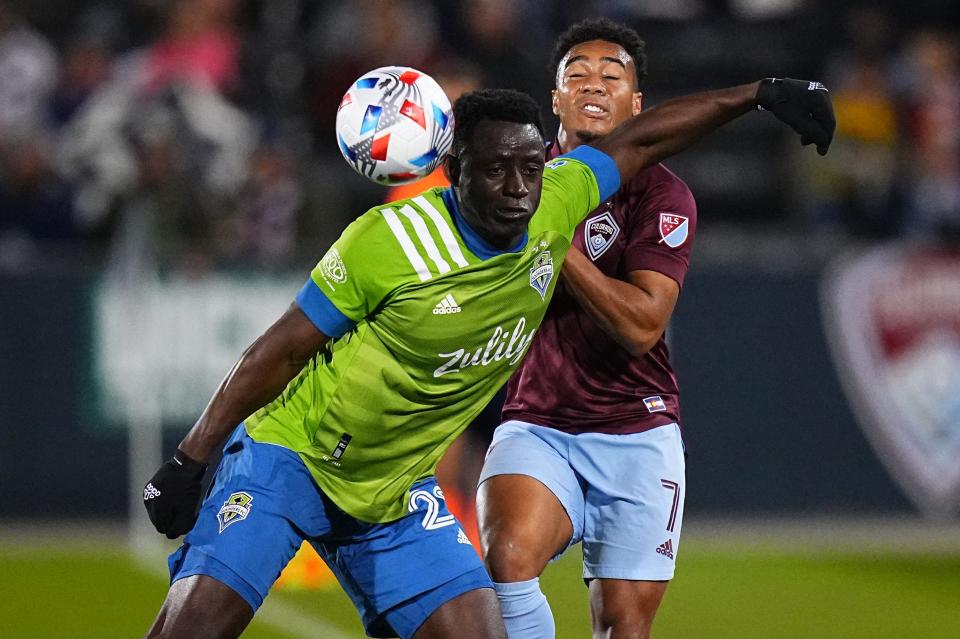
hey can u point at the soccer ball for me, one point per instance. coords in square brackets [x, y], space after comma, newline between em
[394, 125]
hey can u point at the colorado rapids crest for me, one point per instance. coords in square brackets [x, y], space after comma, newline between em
[599, 233]
[541, 273]
[893, 319]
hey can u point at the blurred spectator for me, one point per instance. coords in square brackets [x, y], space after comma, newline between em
[264, 231]
[86, 66]
[112, 142]
[35, 205]
[348, 39]
[200, 46]
[852, 188]
[165, 216]
[651, 9]
[81, 149]
[28, 75]
[933, 126]
[274, 60]
[506, 44]
[87, 62]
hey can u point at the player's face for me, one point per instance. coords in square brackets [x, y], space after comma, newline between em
[596, 91]
[500, 176]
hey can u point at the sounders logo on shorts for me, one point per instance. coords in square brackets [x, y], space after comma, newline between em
[235, 509]
[892, 316]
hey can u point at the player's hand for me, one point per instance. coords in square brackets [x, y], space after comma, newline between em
[803, 105]
[172, 494]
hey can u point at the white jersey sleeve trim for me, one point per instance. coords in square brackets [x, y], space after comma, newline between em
[396, 226]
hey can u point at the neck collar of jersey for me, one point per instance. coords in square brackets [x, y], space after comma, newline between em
[477, 245]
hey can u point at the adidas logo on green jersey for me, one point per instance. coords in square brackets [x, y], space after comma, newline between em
[446, 306]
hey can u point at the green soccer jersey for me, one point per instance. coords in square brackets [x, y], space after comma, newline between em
[430, 331]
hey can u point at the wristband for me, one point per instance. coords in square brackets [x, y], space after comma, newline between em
[189, 464]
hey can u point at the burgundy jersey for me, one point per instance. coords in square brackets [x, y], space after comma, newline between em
[577, 378]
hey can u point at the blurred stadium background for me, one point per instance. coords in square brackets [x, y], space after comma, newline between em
[168, 175]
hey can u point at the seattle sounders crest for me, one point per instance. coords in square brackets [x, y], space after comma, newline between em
[235, 509]
[541, 273]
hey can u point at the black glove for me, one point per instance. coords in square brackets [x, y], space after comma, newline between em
[804, 105]
[172, 494]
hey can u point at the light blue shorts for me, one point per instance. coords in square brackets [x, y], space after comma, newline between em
[264, 503]
[623, 493]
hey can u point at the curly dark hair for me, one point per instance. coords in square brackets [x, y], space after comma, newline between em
[505, 105]
[602, 29]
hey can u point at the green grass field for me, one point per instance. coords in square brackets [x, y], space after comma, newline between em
[71, 590]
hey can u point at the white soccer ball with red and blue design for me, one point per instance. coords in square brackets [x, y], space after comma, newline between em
[394, 125]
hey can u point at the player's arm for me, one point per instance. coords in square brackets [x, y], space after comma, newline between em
[670, 127]
[341, 290]
[258, 377]
[634, 313]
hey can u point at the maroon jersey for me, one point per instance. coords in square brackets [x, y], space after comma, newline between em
[575, 377]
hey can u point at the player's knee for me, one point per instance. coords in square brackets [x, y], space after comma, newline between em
[200, 606]
[182, 627]
[623, 624]
[509, 558]
[165, 633]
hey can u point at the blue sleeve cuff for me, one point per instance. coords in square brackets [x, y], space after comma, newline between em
[602, 165]
[325, 316]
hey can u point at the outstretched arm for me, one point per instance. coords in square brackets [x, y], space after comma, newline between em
[672, 126]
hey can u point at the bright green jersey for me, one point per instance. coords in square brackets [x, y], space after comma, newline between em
[434, 331]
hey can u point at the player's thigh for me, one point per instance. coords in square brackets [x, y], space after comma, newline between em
[250, 525]
[529, 503]
[628, 607]
[633, 512]
[401, 573]
[472, 615]
[201, 606]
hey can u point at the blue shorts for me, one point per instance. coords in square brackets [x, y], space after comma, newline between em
[264, 503]
[623, 493]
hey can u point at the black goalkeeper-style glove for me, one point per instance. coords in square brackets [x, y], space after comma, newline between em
[803, 105]
[172, 494]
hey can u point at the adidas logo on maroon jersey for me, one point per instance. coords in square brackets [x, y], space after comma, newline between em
[666, 548]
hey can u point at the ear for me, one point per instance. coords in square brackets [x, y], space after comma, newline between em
[637, 102]
[553, 102]
[451, 169]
